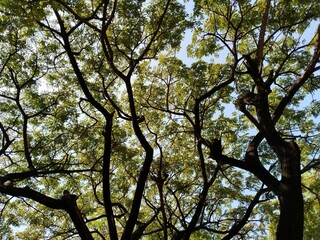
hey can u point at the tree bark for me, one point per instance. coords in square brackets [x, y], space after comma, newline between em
[75, 215]
[291, 219]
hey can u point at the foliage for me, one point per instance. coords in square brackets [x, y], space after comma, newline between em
[107, 134]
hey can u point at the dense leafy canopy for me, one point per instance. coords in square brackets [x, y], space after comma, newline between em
[108, 133]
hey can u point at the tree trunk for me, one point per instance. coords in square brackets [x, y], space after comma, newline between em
[290, 226]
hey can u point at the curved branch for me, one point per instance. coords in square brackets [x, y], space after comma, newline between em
[240, 224]
[303, 78]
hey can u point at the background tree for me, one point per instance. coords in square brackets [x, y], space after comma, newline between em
[107, 134]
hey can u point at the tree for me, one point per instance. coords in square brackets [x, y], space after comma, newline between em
[107, 134]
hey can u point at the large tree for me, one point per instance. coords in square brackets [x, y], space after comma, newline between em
[107, 134]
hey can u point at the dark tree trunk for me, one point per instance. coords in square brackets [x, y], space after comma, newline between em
[290, 225]
[291, 219]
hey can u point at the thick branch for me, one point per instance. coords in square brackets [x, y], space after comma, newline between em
[34, 195]
[262, 33]
[106, 179]
[144, 170]
[71, 207]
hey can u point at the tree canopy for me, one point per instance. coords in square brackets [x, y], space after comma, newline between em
[112, 128]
